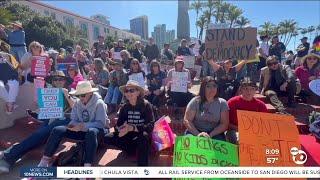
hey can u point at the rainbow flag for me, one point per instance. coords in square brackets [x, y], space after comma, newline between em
[162, 135]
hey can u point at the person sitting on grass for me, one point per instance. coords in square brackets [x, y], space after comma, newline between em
[88, 121]
[207, 115]
[245, 101]
[8, 157]
[135, 124]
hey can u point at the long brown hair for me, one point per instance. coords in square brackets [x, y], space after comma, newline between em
[134, 60]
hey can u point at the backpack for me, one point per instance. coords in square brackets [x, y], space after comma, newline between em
[72, 157]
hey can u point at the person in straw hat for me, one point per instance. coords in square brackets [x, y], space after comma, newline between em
[88, 120]
[16, 39]
[244, 101]
[118, 77]
[8, 157]
[135, 123]
[308, 71]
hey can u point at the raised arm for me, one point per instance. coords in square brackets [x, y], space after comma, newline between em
[240, 65]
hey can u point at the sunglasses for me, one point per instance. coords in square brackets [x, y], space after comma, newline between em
[273, 63]
[129, 90]
[81, 95]
[312, 58]
[58, 79]
[211, 86]
[37, 47]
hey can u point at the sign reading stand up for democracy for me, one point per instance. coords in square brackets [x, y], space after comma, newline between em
[194, 151]
[231, 43]
[267, 139]
[50, 101]
[40, 66]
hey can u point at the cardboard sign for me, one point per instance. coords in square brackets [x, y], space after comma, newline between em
[179, 81]
[189, 61]
[37, 83]
[193, 151]
[314, 86]
[50, 102]
[266, 139]
[116, 55]
[139, 78]
[198, 70]
[231, 43]
[62, 64]
[40, 66]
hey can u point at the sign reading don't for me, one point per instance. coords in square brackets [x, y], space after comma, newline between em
[231, 43]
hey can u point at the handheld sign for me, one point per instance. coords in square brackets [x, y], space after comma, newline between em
[231, 43]
[37, 83]
[116, 55]
[315, 86]
[139, 78]
[40, 66]
[50, 102]
[194, 151]
[179, 82]
[62, 64]
[189, 61]
[266, 139]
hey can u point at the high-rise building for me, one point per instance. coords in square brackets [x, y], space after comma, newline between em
[159, 35]
[170, 36]
[139, 26]
[183, 24]
[101, 18]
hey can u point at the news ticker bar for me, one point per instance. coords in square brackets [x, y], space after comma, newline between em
[171, 172]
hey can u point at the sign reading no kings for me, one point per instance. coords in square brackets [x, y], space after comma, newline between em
[232, 43]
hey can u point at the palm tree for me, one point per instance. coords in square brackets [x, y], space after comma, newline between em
[267, 28]
[217, 11]
[242, 21]
[197, 6]
[208, 13]
[286, 29]
[310, 30]
[234, 14]
[295, 34]
[202, 21]
[5, 16]
[318, 29]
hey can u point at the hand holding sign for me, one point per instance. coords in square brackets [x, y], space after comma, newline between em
[315, 86]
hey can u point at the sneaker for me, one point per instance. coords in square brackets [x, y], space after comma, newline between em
[4, 166]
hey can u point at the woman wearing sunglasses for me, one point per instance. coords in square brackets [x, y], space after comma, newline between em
[207, 115]
[35, 49]
[135, 69]
[9, 156]
[88, 120]
[135, 123]
[308, 71]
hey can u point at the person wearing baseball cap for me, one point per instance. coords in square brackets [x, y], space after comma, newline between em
[88, 121]
[302, 50]
[244, 101]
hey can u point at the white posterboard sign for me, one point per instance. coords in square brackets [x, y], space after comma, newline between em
[116, 55]
[189, 61]
[179, 82]
[144, 67]
[315, 86]
[198, 70]
[139, 78]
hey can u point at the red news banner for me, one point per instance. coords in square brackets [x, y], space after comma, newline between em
[40, 66]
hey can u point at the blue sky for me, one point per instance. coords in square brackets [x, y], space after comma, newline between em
[306, 13]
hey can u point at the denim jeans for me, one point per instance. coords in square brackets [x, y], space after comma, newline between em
[18, 52]
[15, 152]
[113, 95]
[90, 138]
[220, 137]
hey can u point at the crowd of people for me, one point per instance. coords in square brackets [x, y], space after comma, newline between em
[99, 82]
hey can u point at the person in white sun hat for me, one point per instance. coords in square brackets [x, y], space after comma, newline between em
[88, 120]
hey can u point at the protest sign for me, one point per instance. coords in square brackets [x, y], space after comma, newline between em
[315, 86]
[139, 78]
[50, 102]
[198, 70]
[162, 134]
[194, 151]
[116, 55]
[266, 139]
[231, 43]
[37, 83]
[62, 64]
[40, 66]
[179, 81]
[189, 61]
[144, 67]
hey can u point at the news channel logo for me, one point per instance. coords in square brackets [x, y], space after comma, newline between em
[38, 172]
[298, 156]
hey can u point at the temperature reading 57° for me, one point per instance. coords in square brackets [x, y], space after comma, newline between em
[272, 155]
